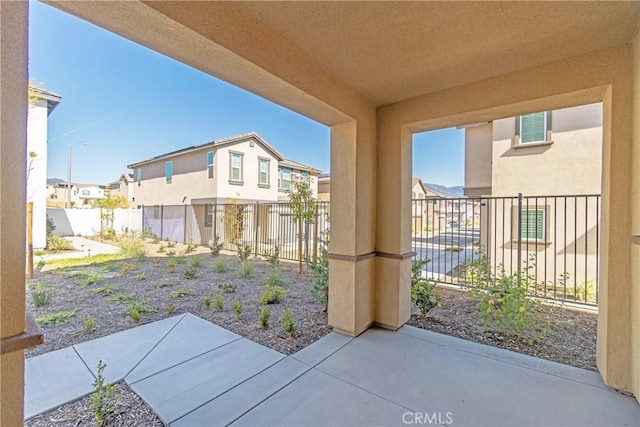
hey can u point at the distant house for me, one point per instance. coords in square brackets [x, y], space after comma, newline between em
[125, 187]
[88, 193]
[324, 187]
[244, 168]
[37, 127]
[57, 194]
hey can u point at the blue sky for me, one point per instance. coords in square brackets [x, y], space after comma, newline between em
[129, 103]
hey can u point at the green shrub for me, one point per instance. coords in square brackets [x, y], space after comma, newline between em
[121, 299]
[218, 302]
[586, 289]
[41, 295]
[170, 308]
[106, 290]
[244, 252]
[190, 247]
[135, 315]
[320, 269]
[195, 261]
[206, 301]
[141, 276]
[132, 245]
[477, 271]
[227, 288]
[237, 306]
[56, 319]
[189, 273]
[219, 265]
[171, 266]
[128, 267]
[288, 323]
[275, 277]
[171, 253]
[453, 249]
[171, 244]
[273, 258]
[104, 398]
[88, 323]
[272, 295]
[160, 249]
[142, 307]
[416, 270]
[245, 270]
[166, 285]
[179, 293]
[216, 246]
[425, 296]
[89, 278]
[263, 318]
[58, 243]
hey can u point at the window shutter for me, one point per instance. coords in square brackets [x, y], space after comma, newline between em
[533, 127]
[532, 224]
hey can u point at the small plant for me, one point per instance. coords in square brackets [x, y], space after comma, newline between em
[89, 278]
[141, 276]
[425, 296]
[206, 301]
[288, 323]
[218, 302]
[320, 270]
[41, 295]
[56, 319]
[272, 295]
[216, 246]
[273, 258]
[128, 267]
[171, 253]
[88, 323]
[57, 243]
[135, 315]
[131, 244]
[275, 277]
[171, 266]
[160, 249]
[171, 244]
[219, 265]
[109, 267]
[121, 299]
[244, 252]
[190, 247]
[227, 288]
[142, 307]
[170, 308]
[156, 262]
[245, 270]
[179, 293]
[189, 273]
[453, 249]
[104, 398]
[166, 285]
[105, 290]
[416, 270]
[195, 261]
[180, 260]
[237, 306]
[263, 318]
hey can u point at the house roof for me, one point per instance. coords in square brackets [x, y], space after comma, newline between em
[215, 143]
[418, 181]
[52, 99]
[297, 165]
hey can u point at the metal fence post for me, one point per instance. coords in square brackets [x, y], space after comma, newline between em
[519, 256]
[161, 222]
[184, 231]
[215, 223]
[255, 226]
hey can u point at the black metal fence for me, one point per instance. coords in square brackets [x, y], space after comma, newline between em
[261, 226]
[552, 241]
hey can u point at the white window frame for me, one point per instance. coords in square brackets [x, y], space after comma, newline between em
[281, 180]
[267, 172]
[211, 158]
[168, 171]
[546, 137]
[240, 167]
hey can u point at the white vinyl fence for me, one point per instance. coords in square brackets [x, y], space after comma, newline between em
[86, 222]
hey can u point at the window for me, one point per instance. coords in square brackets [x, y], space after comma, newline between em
[304, 175]
[533, 224]
[263, 172]
[533, 127]
[208, 216]
[210, 155]
[235, 170]
[284, 179]
[139, 176]
[168, 171]
[86, 193]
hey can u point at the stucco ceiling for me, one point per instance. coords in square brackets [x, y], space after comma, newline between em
[394, 51]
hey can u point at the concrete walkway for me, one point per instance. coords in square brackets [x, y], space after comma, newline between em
[85, 248]
[194, 373]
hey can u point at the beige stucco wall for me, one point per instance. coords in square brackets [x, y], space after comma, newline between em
[635, 220]
[478, 143]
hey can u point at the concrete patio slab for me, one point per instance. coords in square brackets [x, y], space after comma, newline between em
[433, 378]
[122, 351]
[190, 338]
[53, 379]
[236, 402]
[321, 349]
[176, 391]
[318, 399]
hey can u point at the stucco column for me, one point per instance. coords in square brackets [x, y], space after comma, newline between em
[393, 231]
[352, 242]
[13, 130]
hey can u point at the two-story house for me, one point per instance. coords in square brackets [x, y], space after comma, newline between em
[554, 159]
[125, 187]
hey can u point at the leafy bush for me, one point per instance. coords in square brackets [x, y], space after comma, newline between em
[219, 265]
[227, 288]
[41, 295]
[88, 323]
[320, 269]
[104, 398]
[425, 296]
[244, 252]
[477, 271]
[218, 302]
[58, 243]
[179, 293]
[132, 245]
[237, 306]
[272, 295]
[288, 324]
[106, 290]
[216, 246]
[416, 270]
[263, 318]
[189, 273]
[275, 277]
[56, 319]
[245, 270]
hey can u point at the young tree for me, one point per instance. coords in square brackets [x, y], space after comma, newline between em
[303, 205]
[109, 203]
